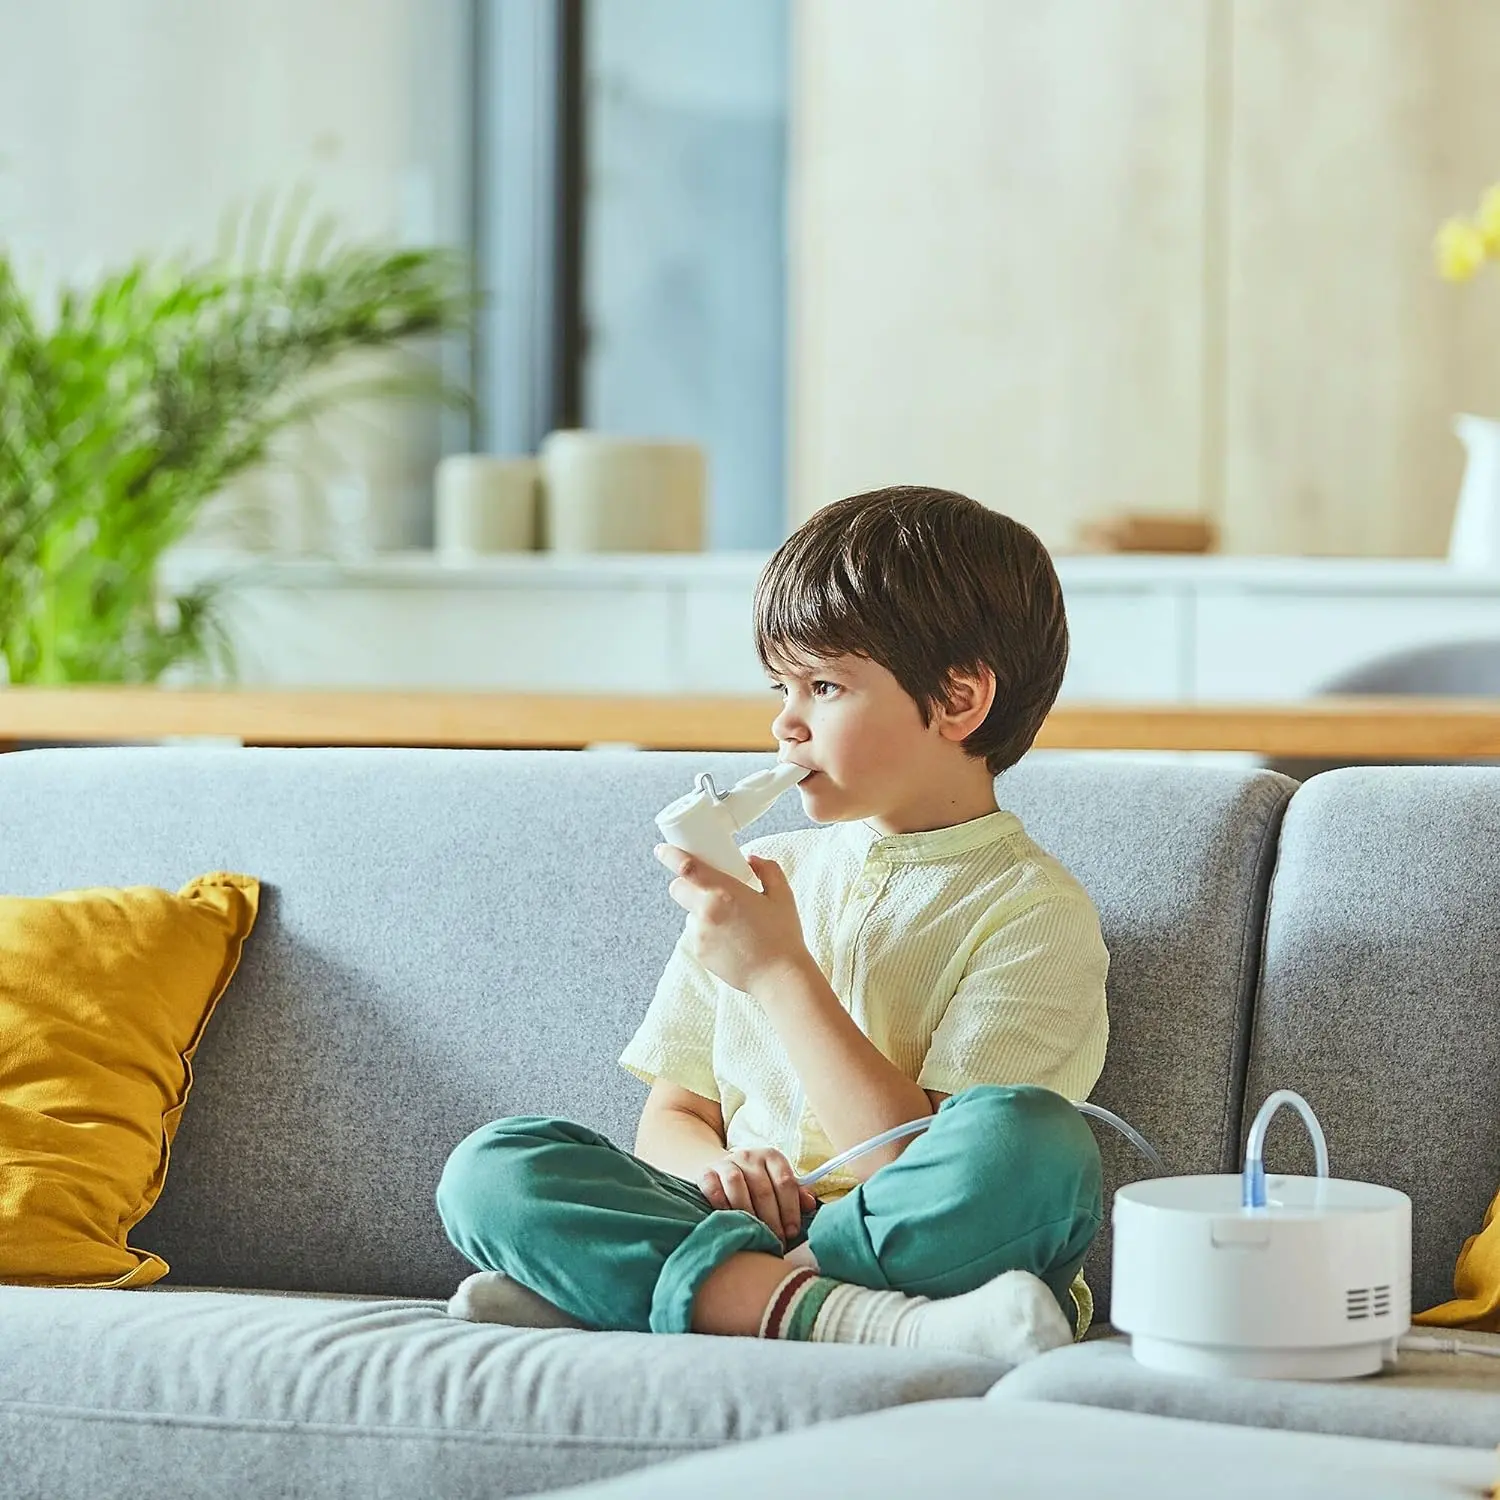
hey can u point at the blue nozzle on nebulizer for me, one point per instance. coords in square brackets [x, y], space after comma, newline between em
[1253, 1179]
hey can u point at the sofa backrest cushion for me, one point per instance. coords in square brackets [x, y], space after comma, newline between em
[1380, 998]
[1177, 857]
[448, 937]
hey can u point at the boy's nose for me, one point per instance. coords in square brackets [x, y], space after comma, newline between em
[786, 727]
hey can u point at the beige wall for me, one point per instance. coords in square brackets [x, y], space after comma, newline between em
[1358, 125]
[1143, 254]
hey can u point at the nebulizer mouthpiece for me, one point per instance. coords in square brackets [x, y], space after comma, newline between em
[705, 821]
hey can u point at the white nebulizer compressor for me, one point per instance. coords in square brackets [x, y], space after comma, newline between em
[1285, 1278]
[1294, 1278]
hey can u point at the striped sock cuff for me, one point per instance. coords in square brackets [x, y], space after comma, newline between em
[795, 1305]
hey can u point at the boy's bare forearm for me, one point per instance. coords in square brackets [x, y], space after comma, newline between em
[854, 1089]
[677, 1141]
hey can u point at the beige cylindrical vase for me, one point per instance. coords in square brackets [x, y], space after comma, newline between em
[484, 503]
[616, 494]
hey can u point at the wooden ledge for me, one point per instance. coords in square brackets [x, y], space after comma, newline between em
[1415, 729]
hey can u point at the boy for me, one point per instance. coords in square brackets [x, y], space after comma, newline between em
[921, 957]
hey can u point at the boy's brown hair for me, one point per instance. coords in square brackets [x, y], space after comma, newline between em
[926, 583]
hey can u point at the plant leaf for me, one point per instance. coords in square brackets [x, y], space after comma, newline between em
[148, 393]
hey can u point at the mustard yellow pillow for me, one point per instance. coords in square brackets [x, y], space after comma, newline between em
[1476, 1282]
[104, 995]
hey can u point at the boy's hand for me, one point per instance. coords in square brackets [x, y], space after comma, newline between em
[761, 1182]
[742, 935]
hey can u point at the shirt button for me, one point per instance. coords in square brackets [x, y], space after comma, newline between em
[864, 888]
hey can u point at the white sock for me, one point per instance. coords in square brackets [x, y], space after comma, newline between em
[492, 1297]
[1011, 1318]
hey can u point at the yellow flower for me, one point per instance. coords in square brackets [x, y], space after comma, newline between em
[1488, 220]
[1459, 248]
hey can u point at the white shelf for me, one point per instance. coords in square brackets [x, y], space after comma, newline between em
[1144, 628]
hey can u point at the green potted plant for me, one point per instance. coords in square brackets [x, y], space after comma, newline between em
[124, 411]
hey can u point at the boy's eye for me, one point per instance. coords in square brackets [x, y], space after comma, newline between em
[818, 688]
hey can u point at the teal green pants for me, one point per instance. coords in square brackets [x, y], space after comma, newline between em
[1006, 1179]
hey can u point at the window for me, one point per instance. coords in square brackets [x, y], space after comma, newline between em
[630, 171]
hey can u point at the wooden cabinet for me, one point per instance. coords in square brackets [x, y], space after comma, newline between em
[1356, 127]
[1101, 255]
[996, 255]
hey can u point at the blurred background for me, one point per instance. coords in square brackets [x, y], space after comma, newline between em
[496, 343]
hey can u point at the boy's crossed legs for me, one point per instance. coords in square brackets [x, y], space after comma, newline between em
[1006, 1180]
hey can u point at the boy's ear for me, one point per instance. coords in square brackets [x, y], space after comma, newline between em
[970, 696]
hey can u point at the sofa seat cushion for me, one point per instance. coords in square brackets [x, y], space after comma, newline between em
[972, 1449]
[139, 1393]
[1424, 1398]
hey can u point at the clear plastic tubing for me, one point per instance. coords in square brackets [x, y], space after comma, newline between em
[1253, 1182]
[916, 1127]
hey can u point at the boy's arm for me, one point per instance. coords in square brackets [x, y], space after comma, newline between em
[680, 1132]
[753, 942]
[853, 1088]
[1030, 1008]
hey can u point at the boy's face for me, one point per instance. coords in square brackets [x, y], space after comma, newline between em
[849, 721]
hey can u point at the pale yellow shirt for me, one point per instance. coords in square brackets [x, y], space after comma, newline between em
[968, 955]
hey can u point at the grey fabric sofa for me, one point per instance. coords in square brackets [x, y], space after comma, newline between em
[446, 937]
